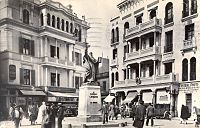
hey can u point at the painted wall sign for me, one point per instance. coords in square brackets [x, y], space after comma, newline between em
[163, 97]
[12, 72]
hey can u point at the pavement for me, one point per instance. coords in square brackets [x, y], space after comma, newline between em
[158, 123]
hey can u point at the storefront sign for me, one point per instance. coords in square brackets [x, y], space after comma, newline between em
[12, 72]
[147, 97]
[189, 86]
[52, 99]
[163, 97]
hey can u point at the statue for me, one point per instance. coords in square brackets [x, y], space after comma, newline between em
[91, 65]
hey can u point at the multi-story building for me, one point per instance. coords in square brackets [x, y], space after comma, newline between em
[103, 77]
[41, 45]
[155, 53]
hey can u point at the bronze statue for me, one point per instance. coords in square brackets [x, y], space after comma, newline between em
[91, 65]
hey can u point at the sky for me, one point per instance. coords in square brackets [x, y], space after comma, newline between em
[102, 11]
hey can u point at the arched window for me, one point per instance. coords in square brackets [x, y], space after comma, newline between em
[41, 19]
[71, 28]
[67, 26]
[169, 13]
[48, 19]
[53, 21]
[63, 25]
[25, 16]
[126, 26]
[116, 76]
[79, 35]
[185, 70]
[152, 14]
[193, 68]
[58, 22]
[113, 79]
[117, 34]
[112, 36]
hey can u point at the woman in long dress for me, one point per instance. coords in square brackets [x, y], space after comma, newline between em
[41, 113]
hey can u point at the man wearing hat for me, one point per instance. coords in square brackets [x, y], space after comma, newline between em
[60, 114]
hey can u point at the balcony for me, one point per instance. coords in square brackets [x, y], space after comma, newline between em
[189, 45]
[154, 24]
[167, 78]
[114, 62]
[167, 56]
[143, 53]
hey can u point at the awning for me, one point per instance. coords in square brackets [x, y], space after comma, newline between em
[130, 97]
[59, 94]
[32, 93]
[109, 98]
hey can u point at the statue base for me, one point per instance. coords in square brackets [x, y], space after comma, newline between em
[89, 103]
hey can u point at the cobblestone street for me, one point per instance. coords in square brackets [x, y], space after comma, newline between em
[159, 123]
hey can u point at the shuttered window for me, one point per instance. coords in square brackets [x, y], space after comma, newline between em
[27, 77]
[53, 79]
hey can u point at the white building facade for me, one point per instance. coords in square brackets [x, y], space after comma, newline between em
[155, 53]
[42, 43]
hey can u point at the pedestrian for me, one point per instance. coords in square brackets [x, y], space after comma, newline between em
[41, 113]
[150, 114]
[117, 111]
[46, 123]
[33, 113]
[11, 111]
[53, 114]
[122, 111]
[60, 114]
[17, 116]
[184, 114]
[104, 109]
[133, 109]
[111, 111]
[140, 115]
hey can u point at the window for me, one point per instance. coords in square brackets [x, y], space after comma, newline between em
[53, 21]
[41, 19]
[138, 19]
[53, 51]
[168, 44]
[112, 36]
[78, 58]
[117, 35]
[58, 23]
[193, 68]
[71, 28]
[63, 25]
[185, 8]
[169, 13]
[189, 102]
[67, 26]
[48, 19]
[27, 76]
[79, 35]
[168, 68]
[78, 81]
[116, 76]
[189, 32]
[124, 74]
[104, 86]
[76, 32]
[152, 14]
[151, 41]
[25, 16]
[26, 46]
[114, 54]
[193, 6]
[113, 79]
[53, 80]
[185, 70]
[126, 26]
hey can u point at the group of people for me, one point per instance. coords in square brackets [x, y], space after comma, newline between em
[45, 115]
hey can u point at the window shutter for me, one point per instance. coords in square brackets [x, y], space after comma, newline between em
[80, 58]
[32, 48]
[21, 42]
[58, 52]
[33, 77]
[21, 76]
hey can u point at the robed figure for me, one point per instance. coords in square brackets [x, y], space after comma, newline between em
[91, 65]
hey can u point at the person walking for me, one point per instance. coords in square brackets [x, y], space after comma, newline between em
[140, 115]
[41, 113]
[117, 111]
[17, 116]
[33, 113]
[150, 114]
[111, 111]
[184, 114]
[46, 123]
[60, 114]
[53, 114]
[133, 111]
[104, 109]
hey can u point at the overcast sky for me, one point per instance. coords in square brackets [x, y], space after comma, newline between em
[103, 9]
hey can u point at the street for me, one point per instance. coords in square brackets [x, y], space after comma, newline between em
[158, 123]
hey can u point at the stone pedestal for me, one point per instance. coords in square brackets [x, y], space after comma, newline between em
[89, 103]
